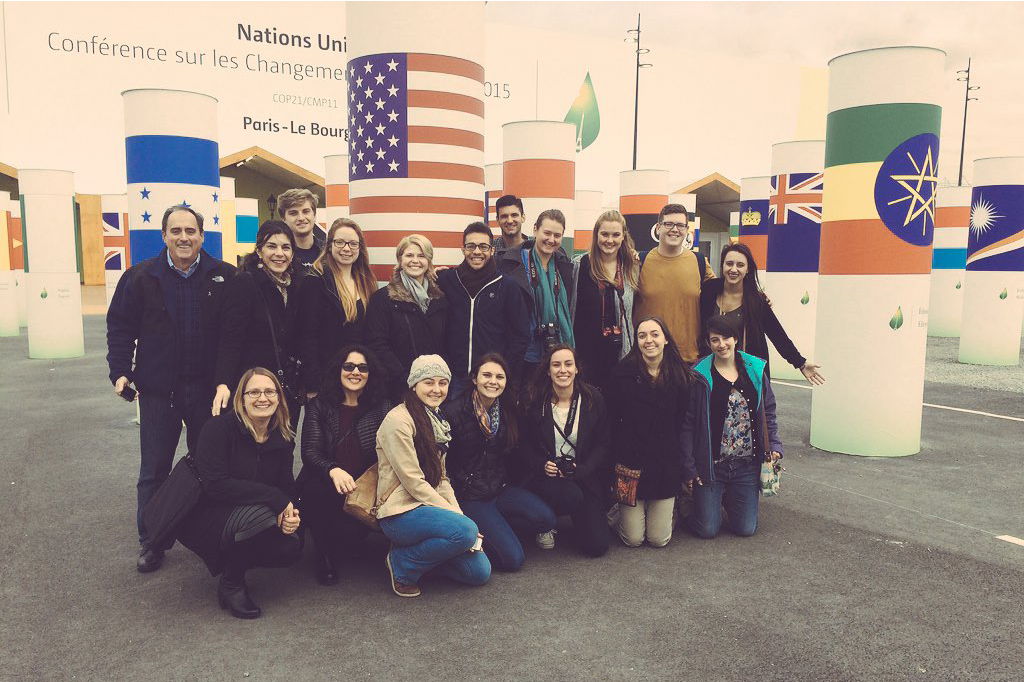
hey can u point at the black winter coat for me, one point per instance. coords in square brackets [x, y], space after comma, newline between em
[245, 338]
[510, 263]
[477, 467]
[593, 470]
[647, 430]
[398, 332]
[139, 312]
[321, 431]
[235, 471]
[755, 327]
[494, 321]
[323, 329]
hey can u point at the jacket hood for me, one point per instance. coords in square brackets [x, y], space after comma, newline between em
[755, 369]
[398, 292]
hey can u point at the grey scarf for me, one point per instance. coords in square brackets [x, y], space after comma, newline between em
[418, 291]
[442, 429]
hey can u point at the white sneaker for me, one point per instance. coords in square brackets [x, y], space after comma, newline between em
[546, 540]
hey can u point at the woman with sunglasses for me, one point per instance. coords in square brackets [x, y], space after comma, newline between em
[339, 432]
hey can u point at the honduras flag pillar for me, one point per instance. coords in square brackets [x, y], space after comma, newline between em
[878, 215]
[949, 258]
[994, 282]
[172, 158]
[794, 238]
[53, 286]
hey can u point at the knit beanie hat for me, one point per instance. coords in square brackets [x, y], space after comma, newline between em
[426, 367]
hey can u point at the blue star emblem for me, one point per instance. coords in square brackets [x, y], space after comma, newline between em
[215, 197]
[146, 216]
[145, 193]
[185, 203]
[216, 220]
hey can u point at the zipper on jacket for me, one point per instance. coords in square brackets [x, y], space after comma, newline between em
[472, 313]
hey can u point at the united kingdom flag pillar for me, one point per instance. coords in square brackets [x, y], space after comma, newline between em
[416, 124]
[949, 260]
[8, 287]
[794, 238]
[335, 188]
[754, 218]
[115, 239]
[540, 168]
[51, 264]
[172, 158]
[994, 282]
[878, 215]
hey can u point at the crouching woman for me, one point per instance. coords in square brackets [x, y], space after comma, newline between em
[246, 517]
[417, 509]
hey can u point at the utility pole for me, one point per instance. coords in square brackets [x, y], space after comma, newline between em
[967, 98]
[636, 97]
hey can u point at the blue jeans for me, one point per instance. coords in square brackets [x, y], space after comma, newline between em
[430, 537]
[160, 420]
[737, 486]
[512, 508]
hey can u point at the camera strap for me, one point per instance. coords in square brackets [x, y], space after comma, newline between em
[531, 268]
[563, 432]
[273, 335]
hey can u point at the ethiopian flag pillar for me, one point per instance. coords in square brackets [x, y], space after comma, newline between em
[949, 258]
[794, 238]
[754, 219]
[878, 214]
[994, 282]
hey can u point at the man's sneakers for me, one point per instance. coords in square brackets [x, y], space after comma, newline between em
[149, 560]
[546, 540]
[401, 589]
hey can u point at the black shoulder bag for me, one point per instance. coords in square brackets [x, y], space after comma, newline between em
[288, 372]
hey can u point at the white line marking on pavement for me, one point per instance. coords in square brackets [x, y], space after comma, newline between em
[1011, 539]
[938, 407]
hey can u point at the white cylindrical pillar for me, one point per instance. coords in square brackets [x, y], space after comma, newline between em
[540, 168]
[247, 224]
[588, 210]
[994, 282]
[734, 226]
[116, 250]
[949, 261]
[493, 181]
[172, 158]
[689, 200]
[228, 223]
[54, 289]
[642, 195]
[336, 167]
[8, 287]
[754, 219]
[16, 249]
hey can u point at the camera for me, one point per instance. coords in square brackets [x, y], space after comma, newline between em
[548, 335]
[566, 465]
[614, 336]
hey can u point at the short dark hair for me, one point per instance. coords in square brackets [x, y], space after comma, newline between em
[551, 214]
[508, 200]
[476, 227]
[723, 326]
[267, 230]
[673, 208]
[181, 207]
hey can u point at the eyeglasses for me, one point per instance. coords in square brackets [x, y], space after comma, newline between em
[682, 227]
[341, 244]
[255, 393]
[361, 367]
[482, 248]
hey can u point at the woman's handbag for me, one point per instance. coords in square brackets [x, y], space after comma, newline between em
[362, 502]
[770, 478]
[626, 481]
[175, 499]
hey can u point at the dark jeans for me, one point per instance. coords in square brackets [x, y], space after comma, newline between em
[513, 508]
[160, 420]
[737, 486]
[269, 549]
[587, 511]
[334, 532]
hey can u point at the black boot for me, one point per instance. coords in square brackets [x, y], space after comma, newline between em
[232, 595]
[326, 573]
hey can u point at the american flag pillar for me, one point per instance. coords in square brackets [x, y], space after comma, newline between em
[336, 206]
[8, 288]
[114, 208]
[540, 168]
[51, 268]
[171, 157]
[642, 195]
[416, 124]
[493, 181]
[588, 210]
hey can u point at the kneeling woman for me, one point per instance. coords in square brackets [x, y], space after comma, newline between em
[565, 447]
[246, 517]
[339, 434]
[417, 509]
[730, 429]
[482, 463]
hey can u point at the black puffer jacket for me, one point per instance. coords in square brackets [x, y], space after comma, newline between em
[478, 468]
[322, 326]
[398, 332]
[321, 431]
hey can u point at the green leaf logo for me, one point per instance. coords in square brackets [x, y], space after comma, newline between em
[806, 299]
[585, 115]
[896, 321]
[43, 294]
[1002, 295]
[958, 285]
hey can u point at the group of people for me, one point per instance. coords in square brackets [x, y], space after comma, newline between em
[493, 397]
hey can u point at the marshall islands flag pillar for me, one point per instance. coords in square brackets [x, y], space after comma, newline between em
[588, 210]
[794, 237]
[335, 188]
[228, 223]
[878, 211]
[8, 289]
[754, 219]
[540, 168]
[493, 180]
[949, 259]
[642, 195]
[51, 267]
[994, 282]
[416, 124]
[170, 139]
[116, 251]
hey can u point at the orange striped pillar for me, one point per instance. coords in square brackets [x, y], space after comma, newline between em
[690, 202]
[949, 261]
[8, 289]
[336, 169]
[588, 209]
[755, 194]
[642, 195]
[493, 191]
[540, 169]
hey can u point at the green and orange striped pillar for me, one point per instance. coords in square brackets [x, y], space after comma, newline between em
[878, 217]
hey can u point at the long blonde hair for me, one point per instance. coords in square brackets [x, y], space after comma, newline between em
[282, 417]
[425, 246]
[363, 277]
[627, 255]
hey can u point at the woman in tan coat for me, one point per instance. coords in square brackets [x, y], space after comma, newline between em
[417, 509]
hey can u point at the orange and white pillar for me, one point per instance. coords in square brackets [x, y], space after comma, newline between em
[642, 195]
[540, 168]
[335, 188]
[8, 288]
[493, 181]
[949, 261]
[588, 210]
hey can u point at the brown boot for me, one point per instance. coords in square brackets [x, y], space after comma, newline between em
[401, 589]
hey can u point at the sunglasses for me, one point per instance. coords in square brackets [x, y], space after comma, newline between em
[362, 367]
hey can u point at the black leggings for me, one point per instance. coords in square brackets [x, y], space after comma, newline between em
[587, 511]
[334, 531]
[268, 549]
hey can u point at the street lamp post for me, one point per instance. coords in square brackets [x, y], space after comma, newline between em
[967, 98]
[636, 96]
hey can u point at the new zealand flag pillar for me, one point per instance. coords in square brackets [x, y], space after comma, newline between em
[794, 237]
[878, 214]
[994, 282]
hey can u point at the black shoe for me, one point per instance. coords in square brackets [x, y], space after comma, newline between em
[149, 560]
[232, 595]
[326, 573]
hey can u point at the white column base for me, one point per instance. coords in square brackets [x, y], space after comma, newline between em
[872, 402]
[112, 278]
[8, 304]
[55, 316]
[21, 294]
[991, 329]
[946, 304]
[788, 291]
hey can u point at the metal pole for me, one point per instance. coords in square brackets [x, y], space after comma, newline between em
[636, 95]
[967, 98]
